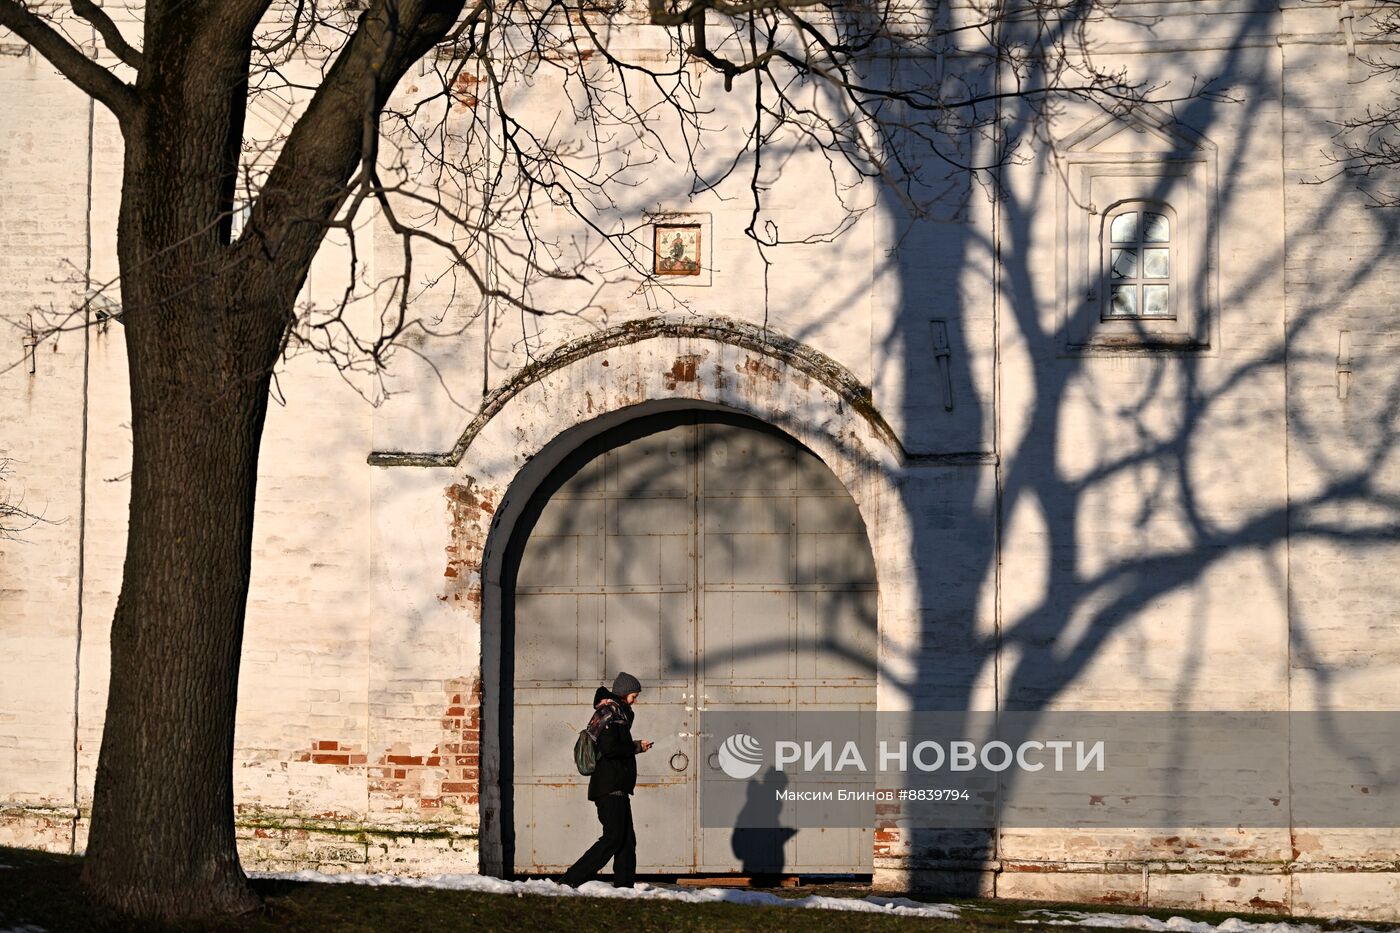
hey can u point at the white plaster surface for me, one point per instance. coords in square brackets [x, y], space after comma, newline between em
[1204, 530]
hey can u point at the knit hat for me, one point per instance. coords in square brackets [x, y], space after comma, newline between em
[626, 684]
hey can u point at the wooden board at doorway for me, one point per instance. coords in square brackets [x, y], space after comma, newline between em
[738, 881]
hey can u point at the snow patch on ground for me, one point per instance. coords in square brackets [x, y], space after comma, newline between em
[889, 906]
[1074, 918]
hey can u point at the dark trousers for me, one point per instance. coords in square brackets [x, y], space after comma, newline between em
[618, 843]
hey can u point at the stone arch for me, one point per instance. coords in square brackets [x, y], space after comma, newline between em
[773, 358]
[530, 424]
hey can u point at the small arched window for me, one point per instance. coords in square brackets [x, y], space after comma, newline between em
[1140, 275]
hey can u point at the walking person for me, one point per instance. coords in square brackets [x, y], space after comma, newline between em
[611, 784]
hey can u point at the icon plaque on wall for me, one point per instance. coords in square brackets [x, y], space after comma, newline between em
[677, 249]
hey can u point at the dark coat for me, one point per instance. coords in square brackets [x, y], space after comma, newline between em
[616, 769]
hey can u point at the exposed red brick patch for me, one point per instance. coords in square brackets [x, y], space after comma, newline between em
[471, 497]
[753, 366]
[333, 752]
[464, 91]
[686, 368]
[469, 512]
[448, 776]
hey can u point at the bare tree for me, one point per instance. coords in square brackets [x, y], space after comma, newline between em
[15, 519]
[1368, 141]
[219, 224]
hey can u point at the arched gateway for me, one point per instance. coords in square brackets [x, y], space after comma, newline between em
[724, 564]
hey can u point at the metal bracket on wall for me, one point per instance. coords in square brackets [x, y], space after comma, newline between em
[104, 309]
[31, 345]
[1345, 17]
[943, 355]
[1343, 364]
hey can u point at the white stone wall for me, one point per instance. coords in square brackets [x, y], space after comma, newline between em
[1199, 530]
[43, 226]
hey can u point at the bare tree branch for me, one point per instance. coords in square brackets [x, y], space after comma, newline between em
[15, 519]
[109, 32]
[90, 77]
[339, 128]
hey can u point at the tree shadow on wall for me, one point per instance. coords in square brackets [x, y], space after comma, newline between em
[1091, 533]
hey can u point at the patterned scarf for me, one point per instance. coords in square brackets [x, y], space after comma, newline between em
[607, 713]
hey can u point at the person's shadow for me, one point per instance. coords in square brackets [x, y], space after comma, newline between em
[758, 840]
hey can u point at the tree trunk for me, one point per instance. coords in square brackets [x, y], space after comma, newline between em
[205, 320]
[162, 840]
